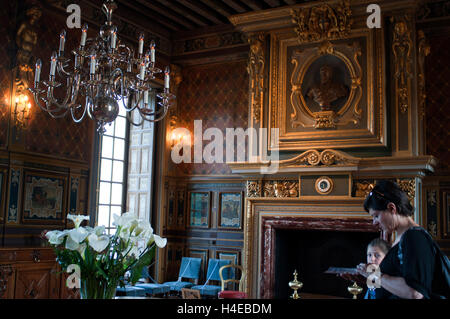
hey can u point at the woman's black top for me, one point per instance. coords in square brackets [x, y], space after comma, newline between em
[413, 258]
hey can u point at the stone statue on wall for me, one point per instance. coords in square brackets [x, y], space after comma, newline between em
[327, 91]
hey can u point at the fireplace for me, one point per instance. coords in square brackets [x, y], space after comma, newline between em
[311, 251]
[309, 235]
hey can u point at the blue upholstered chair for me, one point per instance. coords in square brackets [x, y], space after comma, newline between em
[152, 288]
[208, 290]
[189, 269]
[129, 290]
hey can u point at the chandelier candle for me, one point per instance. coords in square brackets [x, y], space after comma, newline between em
[101, 76]
[62, 41]
[37, 73]
[83, 35]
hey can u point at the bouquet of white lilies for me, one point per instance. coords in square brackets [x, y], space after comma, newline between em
[104, 259]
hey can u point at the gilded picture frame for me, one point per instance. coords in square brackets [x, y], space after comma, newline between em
[356, 120]
[199, 209]
[44, 198]
[230, 210]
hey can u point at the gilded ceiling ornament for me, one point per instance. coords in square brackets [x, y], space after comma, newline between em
[401, 48]
[322, 22]
[255, 69]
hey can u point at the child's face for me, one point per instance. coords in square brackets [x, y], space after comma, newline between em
[374, 255]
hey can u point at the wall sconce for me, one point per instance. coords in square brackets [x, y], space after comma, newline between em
[180, 136]
[22, 109]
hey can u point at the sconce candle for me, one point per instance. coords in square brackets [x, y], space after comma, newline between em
[146, 97]
[83, 35]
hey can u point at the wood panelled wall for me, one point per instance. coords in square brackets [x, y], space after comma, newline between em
[46, 150]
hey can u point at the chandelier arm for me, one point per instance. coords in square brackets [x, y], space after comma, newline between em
[145, 117]
[62, 72]
[78, 120]
[59, 115]
[55, 101]
[131, 120]
[88, 107]
[139, 100]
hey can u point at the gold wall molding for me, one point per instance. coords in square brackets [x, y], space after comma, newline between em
[409, 187]
[327, 157]
[363, 188]
[253, 189]
[402, 47]
[322, 21]
[281, 189]
[424, 51]
[255, 69]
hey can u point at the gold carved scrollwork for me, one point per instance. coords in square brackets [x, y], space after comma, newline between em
[325, 158]
[326, 118]
[424, 50]
[409, 187]
[401, 48]
[253, 189]
[281, 189]
[255, 69]
[322, 22]
[363, 188]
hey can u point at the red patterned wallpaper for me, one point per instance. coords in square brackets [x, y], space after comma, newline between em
[438, 103]
[218, 95]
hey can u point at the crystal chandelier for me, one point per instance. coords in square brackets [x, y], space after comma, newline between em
[103, 73]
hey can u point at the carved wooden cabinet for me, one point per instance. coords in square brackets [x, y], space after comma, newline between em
[31, 273]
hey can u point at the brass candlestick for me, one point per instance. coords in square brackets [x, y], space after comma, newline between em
[295, 284]
[355, 290]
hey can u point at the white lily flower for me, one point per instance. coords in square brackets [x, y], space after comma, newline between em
[159, 241]
[77, 219]
[72, 244]
[98, 243]
[56, 237]
[78, 234]
[123, 219]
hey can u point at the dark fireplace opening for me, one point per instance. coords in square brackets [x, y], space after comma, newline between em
[311, 252]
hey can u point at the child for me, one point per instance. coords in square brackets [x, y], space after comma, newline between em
[376, 250]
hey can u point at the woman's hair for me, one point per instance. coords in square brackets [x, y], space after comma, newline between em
[386, 192]
[380, 243]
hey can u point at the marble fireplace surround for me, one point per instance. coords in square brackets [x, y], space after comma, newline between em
[267, 215]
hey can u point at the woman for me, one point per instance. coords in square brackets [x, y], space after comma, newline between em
[407, 269]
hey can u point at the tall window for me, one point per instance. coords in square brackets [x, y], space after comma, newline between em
[112, 177]
[125, 182]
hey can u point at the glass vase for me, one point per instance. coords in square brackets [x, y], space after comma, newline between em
[93, 288]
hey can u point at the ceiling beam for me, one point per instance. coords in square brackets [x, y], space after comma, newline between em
[290, 2]
[204, 11]
[149, 14]
[220, 7]
[256, 5]
[233, 4]
[186, 12]
[273, 3]
[162, 10]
